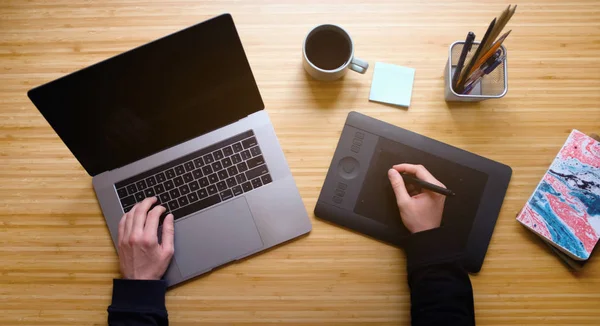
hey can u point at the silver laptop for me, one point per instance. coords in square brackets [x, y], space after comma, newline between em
[181, 118]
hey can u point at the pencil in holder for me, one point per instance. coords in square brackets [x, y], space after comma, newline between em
[493, 85]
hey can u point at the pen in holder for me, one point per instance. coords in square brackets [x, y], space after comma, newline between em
[493, 85]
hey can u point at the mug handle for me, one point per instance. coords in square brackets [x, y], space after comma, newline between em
[359, 65]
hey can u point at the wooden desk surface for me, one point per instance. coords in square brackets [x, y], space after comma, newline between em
[57, 260]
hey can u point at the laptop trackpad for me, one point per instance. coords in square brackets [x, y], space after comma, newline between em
[215, 237]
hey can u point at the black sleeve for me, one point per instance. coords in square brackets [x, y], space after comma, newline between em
[138, 302]
[440, 289]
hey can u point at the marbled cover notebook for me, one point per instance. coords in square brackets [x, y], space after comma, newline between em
[565, 207]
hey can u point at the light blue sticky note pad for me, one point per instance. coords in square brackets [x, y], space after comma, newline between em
[392, 84]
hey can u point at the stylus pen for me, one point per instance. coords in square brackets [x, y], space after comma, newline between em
[463, 55]
[429, 186]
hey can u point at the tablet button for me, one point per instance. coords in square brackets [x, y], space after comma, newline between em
[337, 200]
[359, 135]
[348, 168]
[342, 185]
[355, 148]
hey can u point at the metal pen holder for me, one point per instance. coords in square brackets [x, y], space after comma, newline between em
[493, 85]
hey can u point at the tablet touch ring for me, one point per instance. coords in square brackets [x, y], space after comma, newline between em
[348, 168]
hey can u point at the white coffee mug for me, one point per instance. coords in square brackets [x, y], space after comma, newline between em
[328, 53]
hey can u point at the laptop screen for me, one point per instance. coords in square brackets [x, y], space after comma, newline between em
[152, 97]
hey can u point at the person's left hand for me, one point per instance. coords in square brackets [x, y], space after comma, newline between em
[141, 256]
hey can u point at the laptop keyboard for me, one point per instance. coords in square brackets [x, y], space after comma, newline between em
[201, 179]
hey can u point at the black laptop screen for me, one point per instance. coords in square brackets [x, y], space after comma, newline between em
[152, 97]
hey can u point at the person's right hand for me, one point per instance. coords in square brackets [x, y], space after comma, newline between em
[140, 255]
[420, 212]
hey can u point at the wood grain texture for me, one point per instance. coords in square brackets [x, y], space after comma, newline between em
[57, 260]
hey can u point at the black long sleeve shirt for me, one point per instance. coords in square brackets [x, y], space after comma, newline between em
[138, 303]
[440, 289]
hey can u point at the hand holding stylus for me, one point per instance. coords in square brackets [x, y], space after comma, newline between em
[420, 212]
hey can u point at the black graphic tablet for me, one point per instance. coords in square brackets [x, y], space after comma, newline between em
[357, 194]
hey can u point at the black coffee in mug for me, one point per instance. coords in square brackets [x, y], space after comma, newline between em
[328, 53]
[328, 49]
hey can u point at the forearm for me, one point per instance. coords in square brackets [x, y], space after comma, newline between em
[441, 292]
[138, 303]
